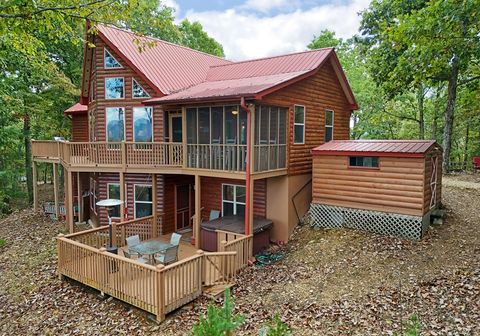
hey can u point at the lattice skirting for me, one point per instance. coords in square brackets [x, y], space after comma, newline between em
[327, 216]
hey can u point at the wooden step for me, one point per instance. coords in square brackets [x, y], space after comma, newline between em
[216, 292]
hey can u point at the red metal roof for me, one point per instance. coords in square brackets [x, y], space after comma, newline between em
[166, 66]
[254, 78]
[375, 147]
[77, 108]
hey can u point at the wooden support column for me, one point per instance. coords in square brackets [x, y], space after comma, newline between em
[79, 198]
[122, 196]
[251, 180]
[198, 210]
[35, 186]
[69, 201]
[184, 138]
[154, 205]
[55, 190]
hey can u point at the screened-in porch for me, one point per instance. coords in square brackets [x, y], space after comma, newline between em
[217, 138]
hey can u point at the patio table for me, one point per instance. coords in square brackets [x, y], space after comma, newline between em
[149, 248]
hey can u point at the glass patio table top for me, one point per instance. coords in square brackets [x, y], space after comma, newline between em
[150, 247]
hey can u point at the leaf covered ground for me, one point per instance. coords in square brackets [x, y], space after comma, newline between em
[332, 282]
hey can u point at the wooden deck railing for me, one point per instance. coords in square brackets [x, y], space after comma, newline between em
[269, 157]
[156, 289]
[241, 245]
[217, 156]
[46, 149]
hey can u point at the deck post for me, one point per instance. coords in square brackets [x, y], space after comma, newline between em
[184, 138]
[79, 198]
[122, 196]
[60, 255]
[69, 202]
[154, 206]
[35, 186]
[160, 293]
[198, 210]
[55, 190]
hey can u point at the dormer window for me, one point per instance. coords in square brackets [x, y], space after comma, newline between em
[138, 91]
[109, 62]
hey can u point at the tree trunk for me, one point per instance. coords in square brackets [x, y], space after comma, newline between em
[421, 111]
[449, 110]
[28, 156]
[467, 139]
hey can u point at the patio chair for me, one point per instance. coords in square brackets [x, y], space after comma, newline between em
[175, 239]
[168, 256]
[130, 255]
[133, 240]
[214, 214]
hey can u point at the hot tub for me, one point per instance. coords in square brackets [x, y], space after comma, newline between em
[236, 224]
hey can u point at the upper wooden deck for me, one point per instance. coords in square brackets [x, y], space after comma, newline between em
[161, 157]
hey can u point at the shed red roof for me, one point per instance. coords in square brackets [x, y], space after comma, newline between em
[166, 66]
[254, 78]
[77, 108]
[375, 147]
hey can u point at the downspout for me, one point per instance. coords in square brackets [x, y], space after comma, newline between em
[247, 170]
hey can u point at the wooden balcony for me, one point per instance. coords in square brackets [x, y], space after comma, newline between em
[137, 156]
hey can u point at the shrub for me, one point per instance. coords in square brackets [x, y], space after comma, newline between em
[276, 327]
[219, 321]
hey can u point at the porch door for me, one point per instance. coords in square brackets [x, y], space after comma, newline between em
[175, 127]
[183, 206]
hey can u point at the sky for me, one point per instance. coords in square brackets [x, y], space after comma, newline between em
[259, 28]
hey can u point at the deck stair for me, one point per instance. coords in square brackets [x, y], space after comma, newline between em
[215, 292]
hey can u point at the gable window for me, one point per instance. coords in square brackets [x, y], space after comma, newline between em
[138, 91]
[328, 125]
[114, 88]
[233, 199]
[363, 161]
[109, 62]
[143, 200]
[299, 125]
[142, 124]
[115, 123]
[113, 191]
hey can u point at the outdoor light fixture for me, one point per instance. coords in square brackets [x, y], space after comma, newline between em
[110, 204]
[235, 112]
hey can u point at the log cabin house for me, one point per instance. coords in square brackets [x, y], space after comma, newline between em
[385, 186]
[175, 133]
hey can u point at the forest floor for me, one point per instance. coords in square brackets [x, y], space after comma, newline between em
[331, 282]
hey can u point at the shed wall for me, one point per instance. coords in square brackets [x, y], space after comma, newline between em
[397, 186]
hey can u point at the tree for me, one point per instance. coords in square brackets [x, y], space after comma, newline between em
[410, 43]
[193, 36]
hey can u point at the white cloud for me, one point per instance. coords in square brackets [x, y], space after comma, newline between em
[171, 3]
[245, 35]
[265, 5]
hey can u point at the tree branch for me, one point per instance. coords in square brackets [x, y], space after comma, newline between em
[50, 9]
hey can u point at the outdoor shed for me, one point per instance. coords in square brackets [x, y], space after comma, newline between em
[384, 186]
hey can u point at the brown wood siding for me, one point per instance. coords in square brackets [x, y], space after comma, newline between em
[98, 75]
[130, 181]
[169, 206]
[317, 93]
[211, 197]
[79, 128]
[398, 186]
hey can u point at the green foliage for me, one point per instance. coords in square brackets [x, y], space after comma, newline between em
[193, 36]
[2, 242]
[276, 327]
[219, 321]
[413, 327]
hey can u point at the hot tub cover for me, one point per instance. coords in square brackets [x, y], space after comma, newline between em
[236, 224]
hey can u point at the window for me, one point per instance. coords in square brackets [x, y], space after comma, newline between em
[328, 125]
[142, 124]
[109, 62]
[93, 195]
[233, 199]
[299, 125]
[114, 88]
[115, 123]
[113, 191]
[138, 91]
[143, 200]
[364, 161]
